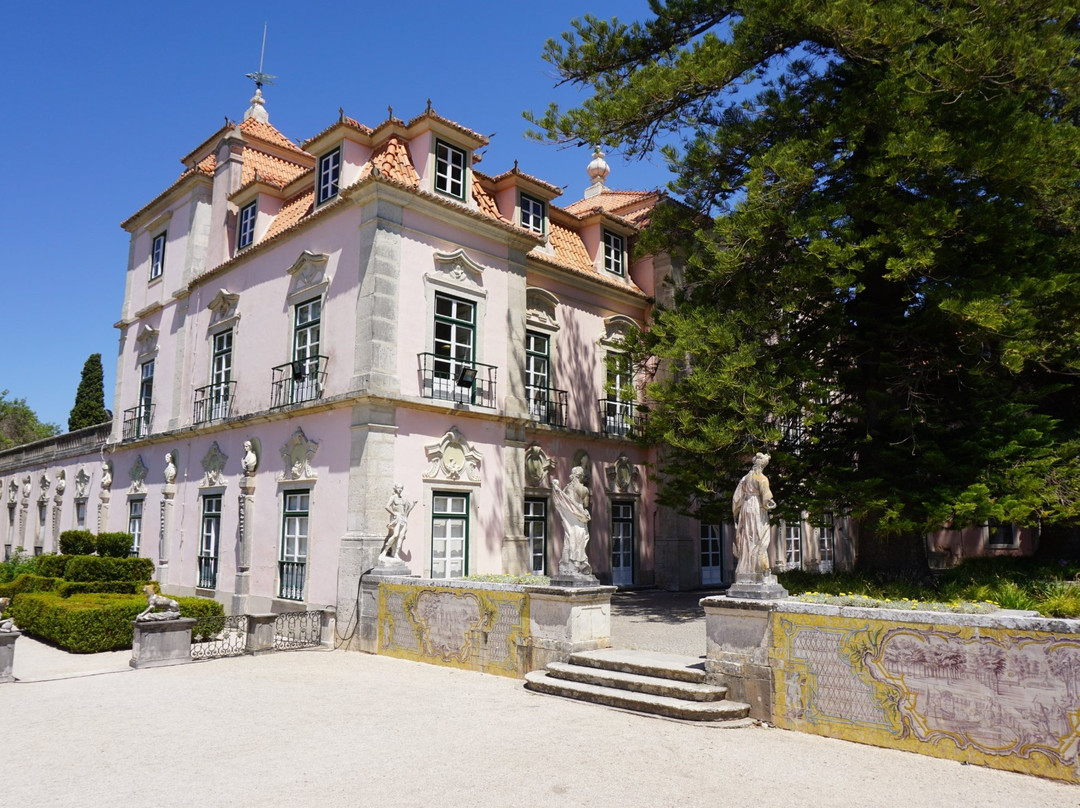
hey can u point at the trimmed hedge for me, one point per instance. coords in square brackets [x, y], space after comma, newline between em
[114, 545]
[88, 624]
[96, 568]
[29, 583]
[77, 542]
[68, 588]
[52, 566]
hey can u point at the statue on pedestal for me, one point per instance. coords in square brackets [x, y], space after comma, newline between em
[399, 509]
[750, 505]
[170, 469]
[5, 624]
[169, 608]
[572, 504]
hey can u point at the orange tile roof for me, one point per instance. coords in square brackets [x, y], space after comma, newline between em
[569, 249]
[517, 172]
[291, 212]
[609, 201]
[266, 132]
[272, 170]
[430, 113]
[394, 162]
[484, 201]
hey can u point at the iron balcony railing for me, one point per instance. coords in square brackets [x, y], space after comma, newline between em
[214, 402]
[292, 579]
[547, 405]
[137, 421]
[622, 418]
[460, 380]
[208, 567]
[298, 381]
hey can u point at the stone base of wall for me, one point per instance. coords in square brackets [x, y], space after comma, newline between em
[161, 642]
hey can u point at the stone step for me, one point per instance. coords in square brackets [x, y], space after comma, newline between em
[636, 682]
[541, 682]
[644, 663]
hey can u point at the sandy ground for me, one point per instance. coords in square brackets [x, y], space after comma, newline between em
[322, 728]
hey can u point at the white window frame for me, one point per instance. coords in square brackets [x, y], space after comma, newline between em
[328, 180]
[221, 361]
[157, 255]
[614, 252]
[136, 512]
[210, 532]
[295, 533]
[450, 169]
[619, 518]
[441, 559]
[245, 225]
[533, 214]
[80, 514]
[536, 532]
[994, 530]
[711, 548]
[793, 549]
[535, 394]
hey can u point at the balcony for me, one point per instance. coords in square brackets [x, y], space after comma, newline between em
[298, 381]
[208, 569]
[459, 380]
[622, 419]
[547, 405]
[292, 579]
[213, 402]
[137, 421]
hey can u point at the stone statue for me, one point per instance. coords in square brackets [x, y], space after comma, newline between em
[572, 503]
[5, 624]
[106, 476]
[169, 609]
[250, 460]
[170, 469]
[61, 482]
[399, 509]
[27, 484]
[751, 504]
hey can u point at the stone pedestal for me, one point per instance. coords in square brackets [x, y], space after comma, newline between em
[738, 637]
[357, 560]
[7, 654]
[573, 580]
[242, 583]
[757, 586]
[260, 633]
[391, 566]
[161, 642]
[566, 619]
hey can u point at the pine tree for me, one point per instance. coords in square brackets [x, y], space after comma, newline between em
[882, 281]
[89, 409]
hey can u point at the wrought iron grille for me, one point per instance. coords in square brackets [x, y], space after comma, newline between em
[213, 402]
[137, 421]
[297, 630]
[548, 406]
[459, 380]
[620, 418]
[219, 636]
[295, 382]
[208, 568]
[292, 579]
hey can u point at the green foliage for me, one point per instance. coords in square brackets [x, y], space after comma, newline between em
[20, 563]
[19, 424]
[96, 568]
[888, 298]
[518, 580]
[27, 582]
[77, 542]
[114, 545]
[66, 589]
[87, 624]
[51, 565]
[89, 409]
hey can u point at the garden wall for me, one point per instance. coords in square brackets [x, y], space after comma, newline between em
[1000, 690]
[502, 629]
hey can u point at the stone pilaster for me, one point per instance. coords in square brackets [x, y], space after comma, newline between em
[168, 497]
[244, 537]
[377, 313]
[517, 308]
[515, 548]
[24, 509]
[103, 513]
[57, 502]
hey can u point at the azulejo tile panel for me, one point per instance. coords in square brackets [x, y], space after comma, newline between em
[998, 697]
[476, 629]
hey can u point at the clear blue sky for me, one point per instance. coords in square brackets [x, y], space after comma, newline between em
[101, 100]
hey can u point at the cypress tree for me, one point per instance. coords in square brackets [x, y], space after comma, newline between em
[89, 409]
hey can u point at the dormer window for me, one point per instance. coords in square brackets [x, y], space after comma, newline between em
[329, 176]
[449, 170]
[157, 256]
[614, 252]
[245, 231]
[533, 212]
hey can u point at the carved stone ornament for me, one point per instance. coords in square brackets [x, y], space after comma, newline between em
[459, 267]
[616, 329]
[106, 476]
[27, 486]
[581, 458]
[147, 340]
[61, 482]
[82, 483]
[297, 454]
[451, 458]
[170, 467]
[13, 492]
[138, 474]
[622, 475]
[223, 306]
[308, 271]
[213, 466]
[250, 461]
[540, 307]
[43, 486]
[538, 466]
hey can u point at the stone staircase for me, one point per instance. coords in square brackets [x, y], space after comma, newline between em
[643, 681]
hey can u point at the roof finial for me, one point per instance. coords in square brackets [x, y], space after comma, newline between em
[598, 170]
[515, 165]
[390, 111]
[429, 105]
[257, 109]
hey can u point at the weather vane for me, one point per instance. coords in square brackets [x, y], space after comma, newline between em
[259, 77]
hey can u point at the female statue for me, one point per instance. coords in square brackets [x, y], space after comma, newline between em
[751, 504]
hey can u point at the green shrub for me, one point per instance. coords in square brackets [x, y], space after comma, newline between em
[87, 624]
[28, 583]
[20, 563]
[114, 545]
[96, 568]
[68, 588]
[52, 566]
[77, 542]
